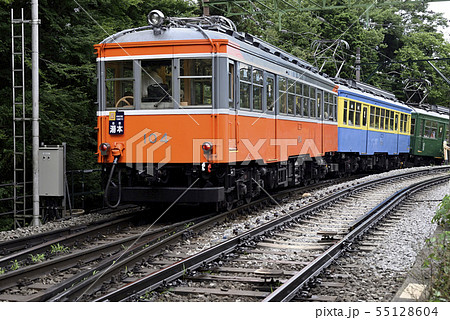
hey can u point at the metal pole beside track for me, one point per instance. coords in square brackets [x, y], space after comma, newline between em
[35, 107]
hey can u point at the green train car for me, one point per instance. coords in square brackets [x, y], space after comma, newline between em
[428, 132]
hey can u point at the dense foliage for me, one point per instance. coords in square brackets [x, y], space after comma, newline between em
[438, 261]
[70, 28]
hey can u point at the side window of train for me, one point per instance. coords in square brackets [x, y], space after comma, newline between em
[344, 119]
[382, 119]
[377, 118]
[358, 115]
[291, 97]
[396, 122]
[413, 126]
[364, 115]
[305, 100]
[351, 114]
[440, 131]
[298, 99]
[335, 108]
[195, 83]
[282, 94]
[270, 92]
[258, 83]
[402, 116]
[245, 78]
[312, 102]
[372, 117]
[391, 121]
[386, 122]
[319, 102]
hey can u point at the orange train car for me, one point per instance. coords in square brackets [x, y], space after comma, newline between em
[192, 111]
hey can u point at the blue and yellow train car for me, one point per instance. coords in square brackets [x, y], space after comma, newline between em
[371, 122]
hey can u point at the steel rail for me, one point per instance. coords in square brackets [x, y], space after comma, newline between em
[178, 269]
[31, 272]
[10, 246]
[289, 289]
[86, 282]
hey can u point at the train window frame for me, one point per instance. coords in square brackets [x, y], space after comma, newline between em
[396, 122]
[344, 112]
[298, 99]
[282, 95]
[156, 75]
[117, 81]
[257, 85]
[391, 120]
[412, 126]
[358, 110]
[386, 120]
[194, 80]
[305, 99]
[269, 77]
[291, 98]
[312, 102]
[351, 113]
[245, 86]
[372, 117]
[440, 132]
[377, 117]
[382, 118]
[365, 110]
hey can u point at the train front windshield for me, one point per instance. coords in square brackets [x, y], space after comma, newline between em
[149, 84]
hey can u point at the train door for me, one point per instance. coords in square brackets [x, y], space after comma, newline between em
[321, 136]
[270, 103]
[232, 100]
[397, 130]
[365, 126]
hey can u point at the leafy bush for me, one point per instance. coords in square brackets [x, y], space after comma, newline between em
[438, 261]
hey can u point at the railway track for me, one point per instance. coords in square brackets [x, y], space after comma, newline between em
[252, 263]
[75, 271]
[87, 274]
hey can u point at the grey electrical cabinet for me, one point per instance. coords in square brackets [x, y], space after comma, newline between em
[51, 171]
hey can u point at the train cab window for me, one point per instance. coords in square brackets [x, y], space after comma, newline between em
[305, 100]
[358, 114]
[258, 82]
[351, 114]
[270, 93]
[282, 94]
[298, 99]
[119, 84]
[291, 97]
[413, 126]
[195, 83]
[156, 84]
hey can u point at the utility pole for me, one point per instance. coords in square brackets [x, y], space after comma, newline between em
[35, 107]
[448, 82]
[358, 64]
[205, 8]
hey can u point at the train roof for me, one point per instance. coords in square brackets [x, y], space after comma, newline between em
[431, 113]
[363, 90]
[175, 30]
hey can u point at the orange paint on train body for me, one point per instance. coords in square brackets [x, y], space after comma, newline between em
[177, 138]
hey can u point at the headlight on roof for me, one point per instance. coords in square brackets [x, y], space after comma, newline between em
[155, 18]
